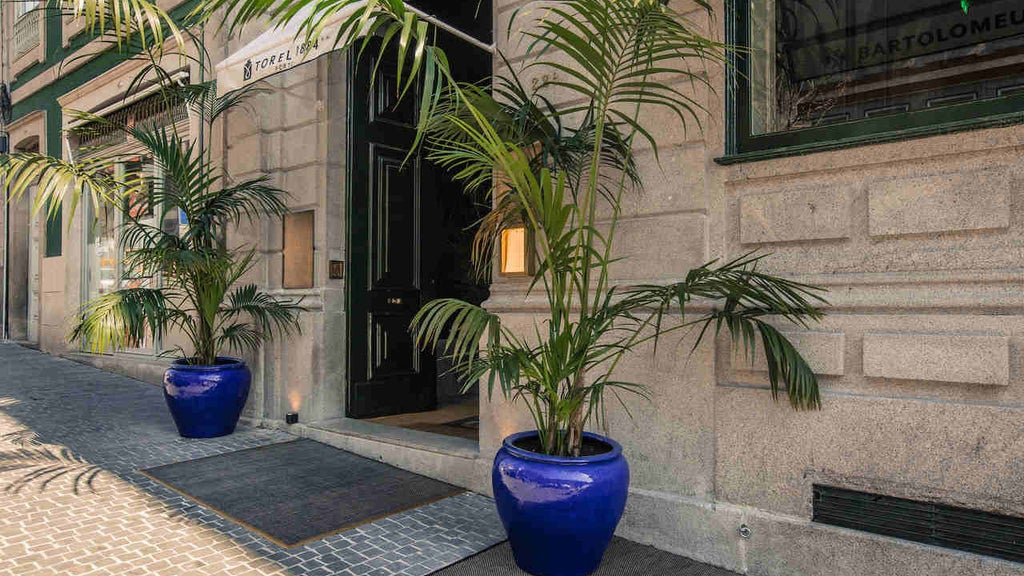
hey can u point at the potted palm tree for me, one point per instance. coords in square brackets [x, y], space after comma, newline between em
[196, 289]
[562, 172]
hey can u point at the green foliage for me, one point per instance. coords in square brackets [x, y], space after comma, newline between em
[562, 170]
[126, 22]
[200, 290]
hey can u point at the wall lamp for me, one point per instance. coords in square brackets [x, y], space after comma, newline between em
[516, 252]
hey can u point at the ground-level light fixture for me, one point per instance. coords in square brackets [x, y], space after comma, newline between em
[515, 251]
[291, 418]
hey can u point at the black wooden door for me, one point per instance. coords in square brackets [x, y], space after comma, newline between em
[396, 240]
[386, 253]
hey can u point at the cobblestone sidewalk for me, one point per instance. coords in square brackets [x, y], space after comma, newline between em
[72, 439]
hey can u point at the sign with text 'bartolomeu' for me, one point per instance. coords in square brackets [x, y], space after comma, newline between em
[823, 37]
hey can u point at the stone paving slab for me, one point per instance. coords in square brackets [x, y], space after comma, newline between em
[72, 439]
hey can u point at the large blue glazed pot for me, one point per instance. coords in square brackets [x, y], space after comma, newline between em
[206, 401]
[559, 513]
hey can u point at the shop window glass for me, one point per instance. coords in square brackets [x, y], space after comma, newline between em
[54, 232]
[827, 70]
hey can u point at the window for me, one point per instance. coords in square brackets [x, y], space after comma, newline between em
[832, 73]
[106, 263]
[27, 28]
[24, 7]
[101, 250]
[54, 232]
[106, 268]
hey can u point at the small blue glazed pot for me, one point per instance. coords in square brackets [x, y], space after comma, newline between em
[559, 513]
[206, 401]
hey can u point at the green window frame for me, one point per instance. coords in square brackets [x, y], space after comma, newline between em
[742, 146]
[54, 232]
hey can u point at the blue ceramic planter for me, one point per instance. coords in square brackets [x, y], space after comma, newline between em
[206, 401]
[559, 513]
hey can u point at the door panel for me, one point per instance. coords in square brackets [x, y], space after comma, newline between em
[392, 347]
[394, 226]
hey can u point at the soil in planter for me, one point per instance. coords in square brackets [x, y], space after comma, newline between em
[591, 447]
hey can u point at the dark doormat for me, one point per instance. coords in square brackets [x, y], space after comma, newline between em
[296, 492]
[623, 558]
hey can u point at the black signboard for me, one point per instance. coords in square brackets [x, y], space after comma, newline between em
[819, 38]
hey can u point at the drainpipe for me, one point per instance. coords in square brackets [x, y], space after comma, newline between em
[5, 64]
[5, 334]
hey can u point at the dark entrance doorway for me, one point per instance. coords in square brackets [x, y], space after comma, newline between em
[408, 239]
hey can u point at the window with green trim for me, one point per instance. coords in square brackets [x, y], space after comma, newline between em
[54, 232]
[832, 73]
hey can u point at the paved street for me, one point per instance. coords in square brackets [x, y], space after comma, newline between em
[72, 439]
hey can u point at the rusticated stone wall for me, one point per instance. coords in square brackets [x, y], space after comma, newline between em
[921, 246]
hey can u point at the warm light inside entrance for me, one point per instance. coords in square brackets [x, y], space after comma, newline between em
[513, 251]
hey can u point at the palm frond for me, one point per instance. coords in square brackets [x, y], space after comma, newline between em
[201, 97]
[744, 297]
[248, 200]
[619, 56]
[194, 272]
[124, 318]
[241, 336]
[267, 312]
[461, 324]
[55, 180]
[128, 21]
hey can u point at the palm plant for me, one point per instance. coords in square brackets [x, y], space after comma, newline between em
[562, 170]
[199, 292]
[616, 60]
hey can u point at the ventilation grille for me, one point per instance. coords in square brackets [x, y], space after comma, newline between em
[926, 522]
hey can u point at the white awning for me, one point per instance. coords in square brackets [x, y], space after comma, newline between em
[285, 47]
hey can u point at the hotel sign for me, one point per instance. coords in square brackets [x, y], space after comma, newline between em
[263, 65]
[280, 49]
[274, 58]
[830, 43]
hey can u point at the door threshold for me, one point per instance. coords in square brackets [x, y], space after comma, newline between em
[407, 438]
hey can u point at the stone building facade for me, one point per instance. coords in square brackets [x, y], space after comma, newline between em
[919, 239]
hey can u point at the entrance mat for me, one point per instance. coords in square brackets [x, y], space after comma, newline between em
[296, 492]
[623, 558]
